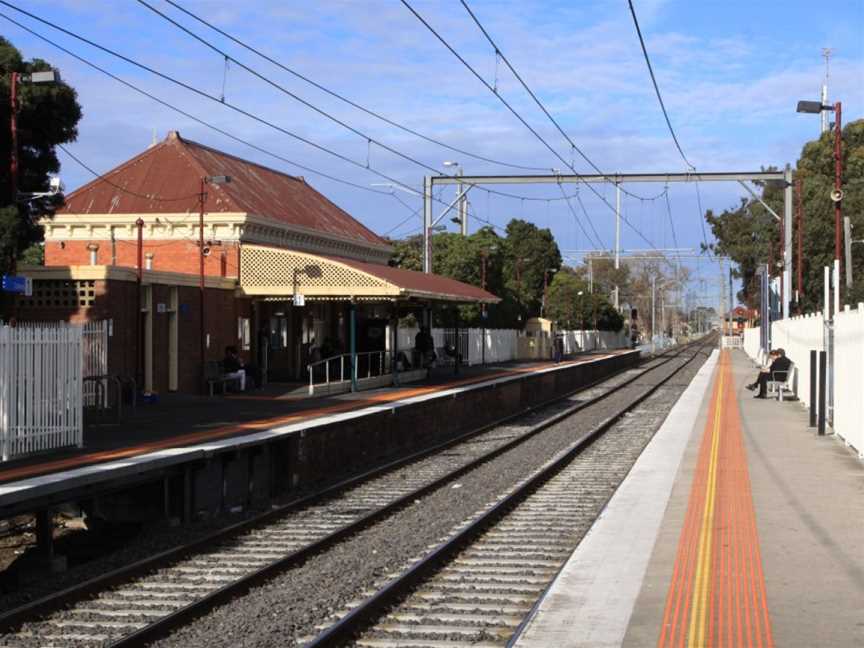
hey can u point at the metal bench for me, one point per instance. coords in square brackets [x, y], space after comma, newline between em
[214, 374]
[782, 381]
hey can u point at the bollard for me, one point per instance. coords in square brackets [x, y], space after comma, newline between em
[812, 388]
[823, 366]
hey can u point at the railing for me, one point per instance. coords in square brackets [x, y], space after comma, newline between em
[369, 364]
[732, 342]
[41, 368]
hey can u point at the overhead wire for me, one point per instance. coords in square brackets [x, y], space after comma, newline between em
[657, 88]
[578, 222]
[573, 146]
[202, 94]
[359, 133]
[343, 98]
[518, 116]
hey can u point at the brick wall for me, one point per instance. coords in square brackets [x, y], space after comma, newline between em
[117, 300]
[168, 256]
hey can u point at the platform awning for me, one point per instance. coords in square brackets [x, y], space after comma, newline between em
[273, 272]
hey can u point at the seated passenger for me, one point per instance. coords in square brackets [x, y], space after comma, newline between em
[779, 363]
[232, 364]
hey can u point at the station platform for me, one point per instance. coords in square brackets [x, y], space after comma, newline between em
[737, 526]
[194, 430]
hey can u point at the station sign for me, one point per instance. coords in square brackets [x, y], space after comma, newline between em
[16, 284]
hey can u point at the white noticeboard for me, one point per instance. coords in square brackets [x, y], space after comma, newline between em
[299, 299]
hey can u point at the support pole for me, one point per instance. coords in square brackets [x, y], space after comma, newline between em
[353, 345]
[463, 207]
[394, 361]
[13, 130]
[799, 293]
[838, 186]
[202, 351]
[823, 366]
[653, 310]
[787, 241]
[813, 379]
[427, 224]
[847, 244]
[617, 237]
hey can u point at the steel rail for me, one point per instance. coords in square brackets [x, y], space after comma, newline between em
[372, 608]
[40, 607]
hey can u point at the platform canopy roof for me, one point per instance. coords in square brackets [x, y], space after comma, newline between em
[280, 273]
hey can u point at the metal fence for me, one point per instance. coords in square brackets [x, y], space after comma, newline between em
[95, 355]
[41, 367]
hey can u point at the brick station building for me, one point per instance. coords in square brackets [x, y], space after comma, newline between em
[125, 248]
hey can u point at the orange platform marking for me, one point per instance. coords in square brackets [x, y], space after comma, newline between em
[78, 461]
[716, 595]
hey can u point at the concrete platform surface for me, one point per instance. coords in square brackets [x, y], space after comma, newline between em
[761, 542]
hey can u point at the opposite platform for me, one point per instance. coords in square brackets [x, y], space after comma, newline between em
[761, 543]
[311, 440]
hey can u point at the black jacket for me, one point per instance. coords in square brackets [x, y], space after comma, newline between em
[780, 364]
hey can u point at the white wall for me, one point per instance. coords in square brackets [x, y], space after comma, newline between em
[849, 376]
[798, 335]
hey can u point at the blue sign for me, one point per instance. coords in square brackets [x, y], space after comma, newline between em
[15, 284]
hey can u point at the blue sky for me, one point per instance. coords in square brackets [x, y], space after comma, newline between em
[730, 72]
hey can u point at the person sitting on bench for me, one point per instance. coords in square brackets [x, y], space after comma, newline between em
[233, 367]
[780, 364]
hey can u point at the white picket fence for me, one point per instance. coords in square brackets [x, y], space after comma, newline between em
[798, 336]
[41, 370]
[501, 344]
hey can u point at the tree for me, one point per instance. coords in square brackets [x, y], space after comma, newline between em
[529, 252]
[750, 236]
[48, 115]
[574, 311]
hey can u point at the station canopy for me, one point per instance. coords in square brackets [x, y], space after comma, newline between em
[279, 273]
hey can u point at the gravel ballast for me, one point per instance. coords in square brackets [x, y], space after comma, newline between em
[287, 609]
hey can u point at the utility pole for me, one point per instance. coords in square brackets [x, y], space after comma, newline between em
[837, 197]
[787, 240]
[847, 230]
[463, 207]
[617, 237]
[826, 54]
[799, 293]
[653, 310]
[13, 154]
[427, 224]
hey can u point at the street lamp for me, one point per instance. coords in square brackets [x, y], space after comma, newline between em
[40, 77]
[462, 218]
[202, 197]
[816, 107]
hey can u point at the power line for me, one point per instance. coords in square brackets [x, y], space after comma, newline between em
[363, 135]
[516, 114]
[188, 115]
[200, 93]
[573, 146]
[348, 101]
[598, 242]
[656, 87]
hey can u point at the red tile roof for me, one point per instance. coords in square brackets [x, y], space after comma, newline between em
[166, 179]
[422, 284]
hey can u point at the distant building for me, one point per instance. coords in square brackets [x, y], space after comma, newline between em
[285, 269]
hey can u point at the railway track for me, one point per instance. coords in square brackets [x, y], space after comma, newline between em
[144, 601]
[477, 586]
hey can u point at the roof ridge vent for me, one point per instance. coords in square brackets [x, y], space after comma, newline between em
[172, 135]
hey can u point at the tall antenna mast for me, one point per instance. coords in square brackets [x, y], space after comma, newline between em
[826, 54]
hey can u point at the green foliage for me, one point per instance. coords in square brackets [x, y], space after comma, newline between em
[751, 236]
[519, 284]
[33, 255]
[48, 115]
